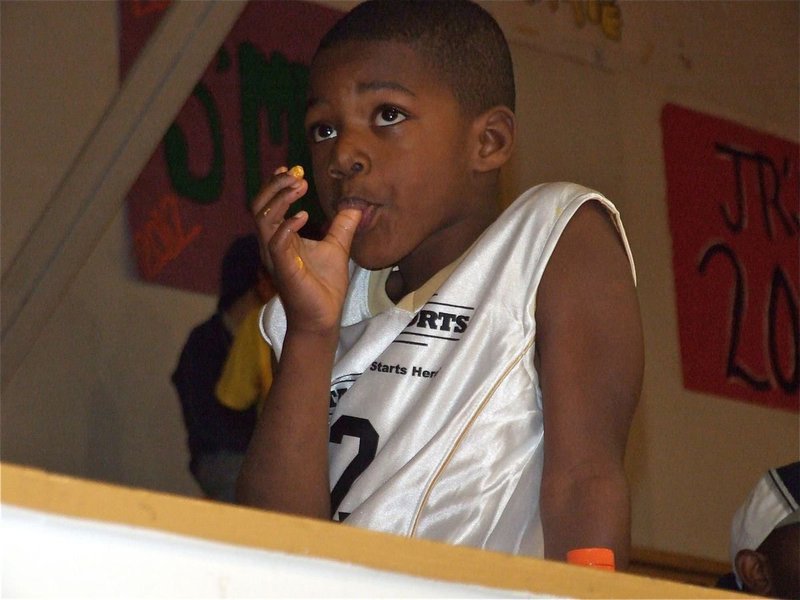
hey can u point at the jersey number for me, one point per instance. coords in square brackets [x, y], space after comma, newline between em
[367, 447]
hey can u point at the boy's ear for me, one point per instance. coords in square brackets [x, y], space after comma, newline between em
[754, 570]
[496, 130]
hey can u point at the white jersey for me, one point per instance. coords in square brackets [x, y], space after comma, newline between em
[436, 426]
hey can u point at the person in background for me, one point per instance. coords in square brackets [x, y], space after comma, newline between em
[217, 435]
[765, 537]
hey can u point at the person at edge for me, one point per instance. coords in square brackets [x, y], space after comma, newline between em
[218, 436]
[445, 370]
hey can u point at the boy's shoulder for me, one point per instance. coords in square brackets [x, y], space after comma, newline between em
[546, 204]
[554, 193]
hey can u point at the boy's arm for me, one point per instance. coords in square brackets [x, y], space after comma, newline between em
[590, 358]
[286, 466]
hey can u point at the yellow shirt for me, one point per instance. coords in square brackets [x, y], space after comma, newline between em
[247, 374]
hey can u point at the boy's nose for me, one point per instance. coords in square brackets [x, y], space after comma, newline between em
[347, 160]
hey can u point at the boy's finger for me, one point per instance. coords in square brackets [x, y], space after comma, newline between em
[282, 238]
[344, 226]
[269, 215]
[283, 247]
[278, 194]
[273, 204]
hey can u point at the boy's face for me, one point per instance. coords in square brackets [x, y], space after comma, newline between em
[388, 137]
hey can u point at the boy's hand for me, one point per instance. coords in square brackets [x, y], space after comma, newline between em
[311, 276]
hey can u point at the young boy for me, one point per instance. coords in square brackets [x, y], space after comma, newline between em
[444, 371]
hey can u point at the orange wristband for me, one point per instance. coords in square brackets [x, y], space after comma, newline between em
[600, 558]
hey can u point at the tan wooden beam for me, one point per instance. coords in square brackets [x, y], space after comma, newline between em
[95, 185]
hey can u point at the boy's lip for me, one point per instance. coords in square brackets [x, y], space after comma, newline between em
[351, 202]
[366, 207]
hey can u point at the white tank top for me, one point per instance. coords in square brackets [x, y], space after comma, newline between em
[440, 432]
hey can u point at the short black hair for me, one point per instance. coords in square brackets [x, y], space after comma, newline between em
[240, 271]
[460, 40]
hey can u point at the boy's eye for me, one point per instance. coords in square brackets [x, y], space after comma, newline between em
[389, 115]
[323, 132]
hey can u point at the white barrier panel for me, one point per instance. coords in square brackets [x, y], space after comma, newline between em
[53, 556]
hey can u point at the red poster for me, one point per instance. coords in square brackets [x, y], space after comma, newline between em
[243, 120]
[734, 217]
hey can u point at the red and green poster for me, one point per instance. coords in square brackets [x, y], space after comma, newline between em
[243, 119]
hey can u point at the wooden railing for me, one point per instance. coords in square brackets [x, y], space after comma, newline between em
[676, 567]
[259, 535]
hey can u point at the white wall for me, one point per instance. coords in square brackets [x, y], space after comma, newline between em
[93, 396]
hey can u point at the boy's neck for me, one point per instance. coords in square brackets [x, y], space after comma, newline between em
[437, 252]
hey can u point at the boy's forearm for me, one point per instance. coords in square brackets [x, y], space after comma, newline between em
[286, 466]
[592, 511]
